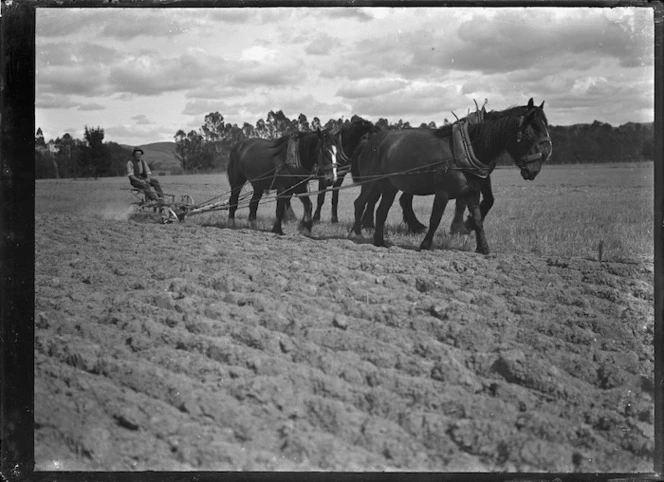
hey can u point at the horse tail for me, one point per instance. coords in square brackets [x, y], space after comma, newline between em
[356, 159]
[235, 176]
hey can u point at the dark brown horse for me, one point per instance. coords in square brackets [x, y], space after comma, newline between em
[348, 139]
[421, 162]
[285, 164]
[406, 200]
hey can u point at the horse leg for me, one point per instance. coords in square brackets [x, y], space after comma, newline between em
[307, 222]
[289, 214]
[487, 198]
[232, 202]
[335, 199]
[280, 211]
[458, 226]
[414, 225]
[485, 205]
[388, 193]
[320, 199]
[253, 204]
[476, 214]
[437, 210]
[360, 204]
[368, 216]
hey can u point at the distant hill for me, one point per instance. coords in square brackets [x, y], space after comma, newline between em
[160, 155]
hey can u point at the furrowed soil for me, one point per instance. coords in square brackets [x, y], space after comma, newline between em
[191, 347]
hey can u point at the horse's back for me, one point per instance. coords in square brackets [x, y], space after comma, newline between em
[416, 157]
[411, 148]
[256, 157]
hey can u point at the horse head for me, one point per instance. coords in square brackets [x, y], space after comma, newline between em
[530, 146]
[349, 137]
[327, 157]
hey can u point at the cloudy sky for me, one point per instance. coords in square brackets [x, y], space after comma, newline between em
[142, 74]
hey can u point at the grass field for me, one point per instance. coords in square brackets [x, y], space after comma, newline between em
[566, 211]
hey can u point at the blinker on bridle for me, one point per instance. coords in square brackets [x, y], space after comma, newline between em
[540, 140]
[335, 163]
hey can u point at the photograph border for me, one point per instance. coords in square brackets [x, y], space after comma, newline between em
[17, 248]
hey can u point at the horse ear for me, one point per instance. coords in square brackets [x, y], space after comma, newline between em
[530, 103]
[542, 105]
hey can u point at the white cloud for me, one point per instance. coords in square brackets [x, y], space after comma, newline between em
[175, 65]
[53, 101]
[370, 87]
[91, 106]
[147, 74]
[201, 107]
[142, 119]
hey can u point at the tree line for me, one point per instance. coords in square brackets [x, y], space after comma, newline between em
[600, 142]
[207, 149]
[67, 157]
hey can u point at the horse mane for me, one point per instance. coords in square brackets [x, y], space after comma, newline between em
[512, 111]
[281, 143]
[489, 136]
[443, 131]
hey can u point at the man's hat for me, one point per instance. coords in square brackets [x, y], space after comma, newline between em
[137, 149]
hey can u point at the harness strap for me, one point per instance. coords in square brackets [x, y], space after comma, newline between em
[293, 152]
[462, 149]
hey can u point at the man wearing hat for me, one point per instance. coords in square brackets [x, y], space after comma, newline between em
[140, 176]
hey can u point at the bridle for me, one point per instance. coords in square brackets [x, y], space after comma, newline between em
[335, 164]
[521, 133]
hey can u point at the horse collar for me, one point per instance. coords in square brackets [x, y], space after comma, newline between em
[462, 149]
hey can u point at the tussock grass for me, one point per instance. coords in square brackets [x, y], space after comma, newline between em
[565, 211]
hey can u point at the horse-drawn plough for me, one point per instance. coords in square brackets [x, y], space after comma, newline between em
[173, 208]
[176, 208]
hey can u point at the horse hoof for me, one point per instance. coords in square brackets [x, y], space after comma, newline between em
[334, 220]
[305, 230]
[459, 229]
[426, 245]
[482, 251]
[354, 235]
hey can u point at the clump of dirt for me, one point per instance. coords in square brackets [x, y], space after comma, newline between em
[183, 347]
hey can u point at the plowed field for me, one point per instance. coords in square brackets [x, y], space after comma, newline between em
[194, 347]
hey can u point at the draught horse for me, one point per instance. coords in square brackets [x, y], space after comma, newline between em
[406, 200]
[348, 138]
[423, 162]
[285, 164]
